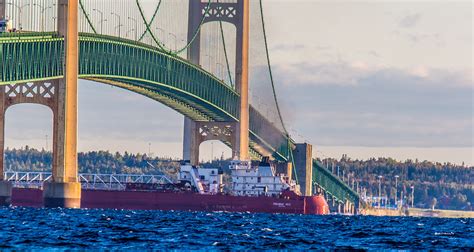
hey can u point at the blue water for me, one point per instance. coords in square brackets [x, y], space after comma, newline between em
[25, 228]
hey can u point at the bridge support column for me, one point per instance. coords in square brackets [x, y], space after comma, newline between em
[242, 138]
[64, 190]
[44, 93]
[236, 13]
[3, 7]
[5, 193]
[5, 186]
[304, 167]
[190, 145]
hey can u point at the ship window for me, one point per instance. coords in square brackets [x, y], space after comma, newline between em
[259, 179]
[202, 177]
[212, 172]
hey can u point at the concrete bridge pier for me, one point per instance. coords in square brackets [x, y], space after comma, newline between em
[47, 93]
[303, 158]
[65, 190]
[5, 193]
[61, 96]
[5, 186]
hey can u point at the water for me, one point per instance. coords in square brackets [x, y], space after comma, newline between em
[22, 228]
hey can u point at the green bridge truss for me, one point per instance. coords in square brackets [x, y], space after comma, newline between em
[332, 185]
[143, 69]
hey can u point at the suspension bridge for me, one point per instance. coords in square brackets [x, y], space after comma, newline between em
[206, 59]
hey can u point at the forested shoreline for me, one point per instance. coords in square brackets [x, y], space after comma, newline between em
[450, 186]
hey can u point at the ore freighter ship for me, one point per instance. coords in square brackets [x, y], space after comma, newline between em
[252, 189]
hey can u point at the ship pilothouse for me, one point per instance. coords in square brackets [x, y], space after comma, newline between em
[245, 179]
[204, 180]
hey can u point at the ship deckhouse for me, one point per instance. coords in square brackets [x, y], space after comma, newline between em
[261, 180]
[205, 180]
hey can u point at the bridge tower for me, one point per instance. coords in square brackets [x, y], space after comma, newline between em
[61, 96]
[235, 12]
[303, 158]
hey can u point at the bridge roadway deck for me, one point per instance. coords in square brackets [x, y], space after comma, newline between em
[140, 68]
[143, 69]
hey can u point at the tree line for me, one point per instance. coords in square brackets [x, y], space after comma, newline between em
[442, 185]
[448, 186]
[105, 162]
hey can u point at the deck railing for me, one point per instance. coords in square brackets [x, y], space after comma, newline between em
[88, 180]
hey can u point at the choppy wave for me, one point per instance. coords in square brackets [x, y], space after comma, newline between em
[26, 228]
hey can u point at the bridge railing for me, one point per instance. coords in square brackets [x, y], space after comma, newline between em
[88, 180]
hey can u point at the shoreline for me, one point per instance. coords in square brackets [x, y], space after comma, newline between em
[419, 212]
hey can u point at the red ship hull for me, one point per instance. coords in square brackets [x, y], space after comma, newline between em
[154, 200]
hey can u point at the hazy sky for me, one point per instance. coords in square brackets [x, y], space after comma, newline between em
[367, 78]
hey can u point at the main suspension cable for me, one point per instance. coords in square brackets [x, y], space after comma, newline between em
[270, 70]
[151, 21]
[290, 152]
[161, 45]
[225, 54]
[87, 16]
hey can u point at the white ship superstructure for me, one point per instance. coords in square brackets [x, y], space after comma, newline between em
[246, 180]
[205, 180]
[260, 180]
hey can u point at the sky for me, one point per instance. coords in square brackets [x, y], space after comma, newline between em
[364, 78]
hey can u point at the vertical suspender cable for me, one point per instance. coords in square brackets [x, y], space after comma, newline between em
[274, 92]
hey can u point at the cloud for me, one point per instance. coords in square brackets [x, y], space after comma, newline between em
[419, 107]
[419, 37]
[353, 73]
[374, 53]
[339, 73]
[288, 47]
[410, 20]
